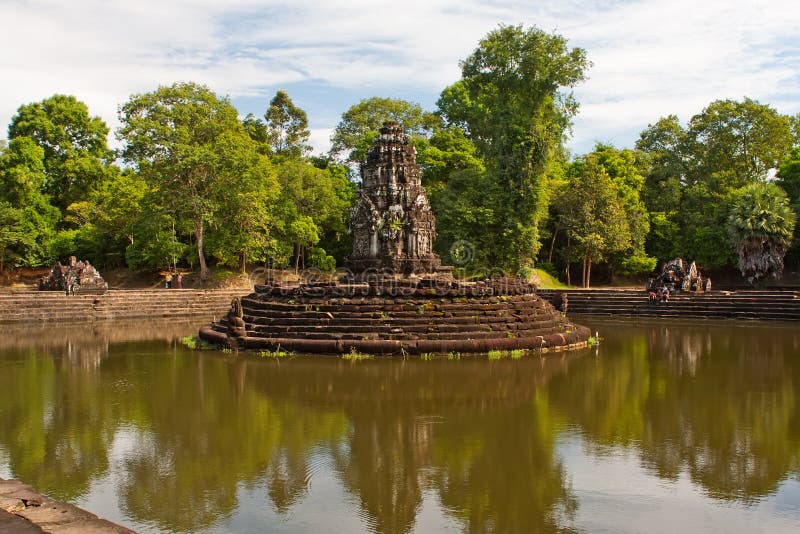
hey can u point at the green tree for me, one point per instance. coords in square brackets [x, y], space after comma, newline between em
[664, 143]
[743, 139]
[29, 218]
[593, 215]
[178, 138]
[313, 202]
[761, 224]
[625, 169]
[447, 151]
[695, 173]
[360, 124]
[258, 132]
[246, 228]
[788, 178]
[76, 154]
[13, 234]
[511, 103]
[287, 126]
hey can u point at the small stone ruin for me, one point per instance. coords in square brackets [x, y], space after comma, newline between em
[677, 275]
[75, 277]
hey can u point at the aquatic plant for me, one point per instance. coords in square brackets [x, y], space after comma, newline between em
[274, 353]
[496, 354]
[355, 356]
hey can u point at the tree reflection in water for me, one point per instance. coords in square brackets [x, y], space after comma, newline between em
[717, 403]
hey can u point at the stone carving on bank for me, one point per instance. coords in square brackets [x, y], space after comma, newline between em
[76, 276]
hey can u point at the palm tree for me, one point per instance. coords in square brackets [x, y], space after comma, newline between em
[761, 224]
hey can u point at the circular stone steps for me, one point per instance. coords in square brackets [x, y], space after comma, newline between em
[390, 319]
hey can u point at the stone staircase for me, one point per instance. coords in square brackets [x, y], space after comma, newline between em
[33, 306]
[395, 324]
[741, 304]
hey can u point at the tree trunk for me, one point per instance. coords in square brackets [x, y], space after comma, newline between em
[198, 234]
[552, 246]
[296, 258]
[243, 262]
[569, 241]
[583, 271]
[589, 273]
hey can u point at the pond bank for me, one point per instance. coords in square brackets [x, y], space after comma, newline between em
[776, 305]
[30, 306]
[22, 509]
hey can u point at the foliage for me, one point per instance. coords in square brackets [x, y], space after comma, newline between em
[76, 154]
[274, 353]
[13, 235]
[286, 127]
[447, 151]
[510, 102]
[184, 140]
[788, 178]
[359, 125]
[761, 225]
[592, 212]
[29, 220]
[695, 171]
[314, 203]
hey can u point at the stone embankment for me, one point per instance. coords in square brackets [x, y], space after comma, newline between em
[742, 304]
[23, 510]
[445, 316]
[30, 306]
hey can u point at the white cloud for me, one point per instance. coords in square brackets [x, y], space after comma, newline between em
[651, 57]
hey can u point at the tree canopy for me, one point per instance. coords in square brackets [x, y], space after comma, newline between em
[185, 141]
[359, 125]
[513, 102]
[74, 143]
[761, 224]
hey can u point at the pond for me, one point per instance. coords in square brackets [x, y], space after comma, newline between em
[662, 428]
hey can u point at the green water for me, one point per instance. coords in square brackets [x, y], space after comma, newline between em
[679, 428]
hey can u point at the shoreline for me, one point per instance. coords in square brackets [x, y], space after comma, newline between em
[31, 306]
[23, 509]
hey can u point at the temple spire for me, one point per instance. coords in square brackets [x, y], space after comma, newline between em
[392, 224]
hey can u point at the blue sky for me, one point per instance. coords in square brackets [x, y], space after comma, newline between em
[651, 57]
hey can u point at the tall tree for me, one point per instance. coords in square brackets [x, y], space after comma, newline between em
[178, 139]
[28, 212]
[360, 124]
[513, 103]
[696, 171]
[76, 153]
[287, 126]
[312, 203]
[592, 212]
[741, 141]
[761, 225]
[246, 226]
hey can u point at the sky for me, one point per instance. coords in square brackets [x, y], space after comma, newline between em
[650, 58]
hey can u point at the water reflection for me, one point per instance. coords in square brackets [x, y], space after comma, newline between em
[182, 433]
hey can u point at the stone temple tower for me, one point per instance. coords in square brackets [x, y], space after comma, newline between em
[392, 224]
